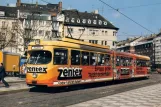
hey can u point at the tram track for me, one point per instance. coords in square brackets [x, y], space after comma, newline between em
[61, 97]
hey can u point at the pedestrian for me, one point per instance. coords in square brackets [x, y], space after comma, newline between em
[25, 69]
[2, 75]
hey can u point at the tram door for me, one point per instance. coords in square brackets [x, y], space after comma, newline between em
[134, 67]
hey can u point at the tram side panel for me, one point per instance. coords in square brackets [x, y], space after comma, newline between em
[124, 67]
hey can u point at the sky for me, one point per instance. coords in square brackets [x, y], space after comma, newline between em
[148, 16]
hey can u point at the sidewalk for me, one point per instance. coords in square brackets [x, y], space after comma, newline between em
[16, 84]
[149, 96]
[14, 79]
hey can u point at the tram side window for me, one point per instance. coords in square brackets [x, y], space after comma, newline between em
[85, 58]
[93, 58]
[107, 59]
[60, 56]
[141, 63]
[138, 63]
[127, 61]
[130, 61]
[101, 60]
[123, 61]
[75, 57]
[118, 61]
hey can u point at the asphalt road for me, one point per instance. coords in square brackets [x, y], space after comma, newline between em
[60, 97]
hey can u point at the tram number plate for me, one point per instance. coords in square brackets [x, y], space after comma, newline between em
[69, 82]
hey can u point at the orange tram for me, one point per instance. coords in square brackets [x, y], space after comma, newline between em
[65, 62]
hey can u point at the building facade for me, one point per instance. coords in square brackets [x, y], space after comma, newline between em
[157, 50]
[128, 45]
[89, 27]
[27, 22]
[140, 45]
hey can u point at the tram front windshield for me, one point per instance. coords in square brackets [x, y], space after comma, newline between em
[39, 57]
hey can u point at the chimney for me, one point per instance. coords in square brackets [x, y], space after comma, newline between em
[18, 3]
[36, 3]
[95, 12]
[60, 7]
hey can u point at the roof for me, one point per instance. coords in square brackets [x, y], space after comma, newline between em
[148, 38]
[67, 42]
[85, 19]
[31, 8]
[158, 35]
[128, 40]
[38, 8]
[9, 11]
[142, 57]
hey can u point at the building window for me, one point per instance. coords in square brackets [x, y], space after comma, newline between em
[106, 33]
[81, 30]
[113, 43]
[48, 23]
[47, 33]
[35, 23]
[14, 25]
[96, 41]
[41, 32]
[102, 32]
[3, 24]
[102, 42]
[93, 32]
[70, 30]
[105, 42]
[41, 23]
[93, 41]
[34, 32]
[114, 33]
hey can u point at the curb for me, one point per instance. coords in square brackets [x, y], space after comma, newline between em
[15, 81]
[14, 91]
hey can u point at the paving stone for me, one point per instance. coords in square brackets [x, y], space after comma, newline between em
[149, 96]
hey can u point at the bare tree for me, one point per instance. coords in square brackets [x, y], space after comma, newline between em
[7, 36]
[27, 29]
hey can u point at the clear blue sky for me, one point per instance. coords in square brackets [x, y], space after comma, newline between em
[148, 16]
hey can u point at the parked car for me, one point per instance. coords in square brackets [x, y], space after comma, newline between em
[158, 70]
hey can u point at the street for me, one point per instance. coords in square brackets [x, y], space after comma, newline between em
[60, 97]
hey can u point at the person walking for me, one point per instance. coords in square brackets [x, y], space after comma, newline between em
[2, 75]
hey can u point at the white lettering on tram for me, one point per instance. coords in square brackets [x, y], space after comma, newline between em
[70, 73]
[36, 69]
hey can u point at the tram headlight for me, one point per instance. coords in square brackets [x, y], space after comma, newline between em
[34, 75]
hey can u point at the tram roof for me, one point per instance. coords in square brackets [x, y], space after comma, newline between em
[124, 53]
[137, 56]
[142, 57]
[69, 41]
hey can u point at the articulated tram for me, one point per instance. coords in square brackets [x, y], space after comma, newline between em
[66, 62]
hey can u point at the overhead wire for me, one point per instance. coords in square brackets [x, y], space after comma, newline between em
[126, 16]
[120, 8]
[69, 32]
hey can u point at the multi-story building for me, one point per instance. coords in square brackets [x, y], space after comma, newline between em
[128, 44]
[27, 22]
[157, 50]
[90, 27]
[140, 45]
[10, 39]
